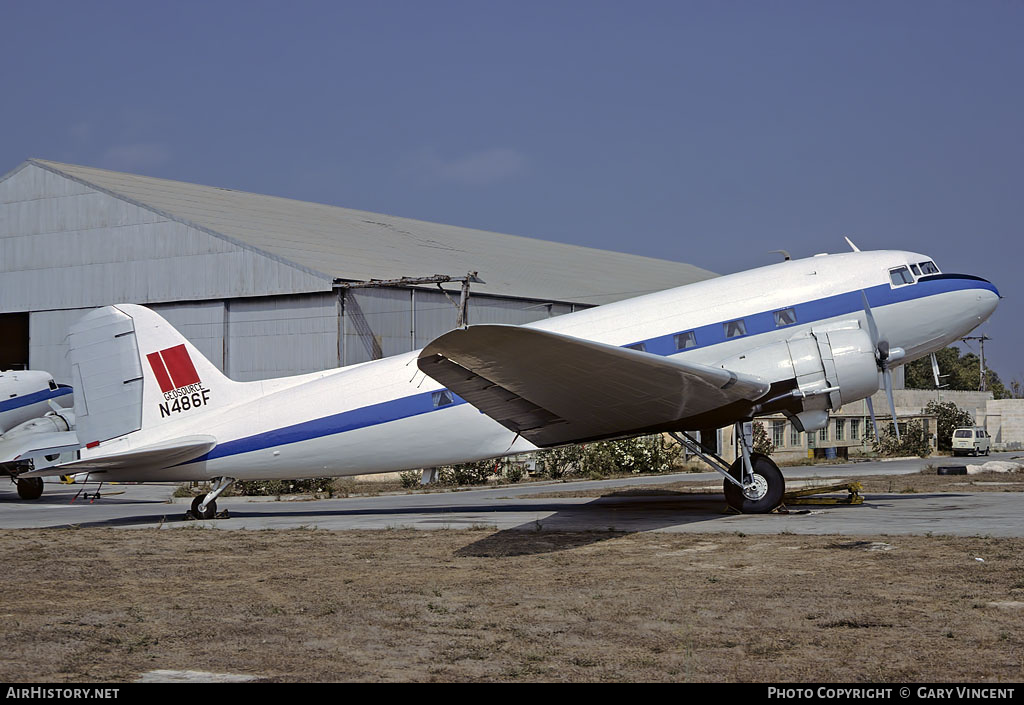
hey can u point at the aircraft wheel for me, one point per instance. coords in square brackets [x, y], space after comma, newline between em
[211, 509]
[766, 493]
[30, 487]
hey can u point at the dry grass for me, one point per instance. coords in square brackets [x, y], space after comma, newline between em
[475, 605]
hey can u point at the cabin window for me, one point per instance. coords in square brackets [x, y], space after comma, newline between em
[901, 276]
[686, 340]
[443, 397]
[637, 346]
[785, 317]
[929, 268]
[734, 329]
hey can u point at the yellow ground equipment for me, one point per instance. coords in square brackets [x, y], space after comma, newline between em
[806, 495]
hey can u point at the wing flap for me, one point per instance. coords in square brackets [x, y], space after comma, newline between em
[156, 456]
[555, 389]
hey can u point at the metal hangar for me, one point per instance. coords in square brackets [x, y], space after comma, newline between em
[264, 286]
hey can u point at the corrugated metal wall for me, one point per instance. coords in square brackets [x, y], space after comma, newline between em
[64, 245]
[278, 336]
[282, 335]
[383, 322]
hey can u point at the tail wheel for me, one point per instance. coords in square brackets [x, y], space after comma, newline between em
[765, 492]
[30, 487]
[209, 513]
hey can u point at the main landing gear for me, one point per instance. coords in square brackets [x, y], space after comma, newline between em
[753, 484]
[205, 506]
[30, 487]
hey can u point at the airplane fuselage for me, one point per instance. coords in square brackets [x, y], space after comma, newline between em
[386, 415]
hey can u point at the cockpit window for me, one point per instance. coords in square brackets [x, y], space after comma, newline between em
[901, 276]
[915, 270]
[929, 268]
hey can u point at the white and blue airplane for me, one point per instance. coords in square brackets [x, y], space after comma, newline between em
[31, 418]
[801, 337]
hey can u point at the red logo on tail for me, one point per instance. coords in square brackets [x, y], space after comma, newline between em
[173, 368]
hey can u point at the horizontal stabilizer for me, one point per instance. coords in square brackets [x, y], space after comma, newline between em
[554, 389]
[158, 455]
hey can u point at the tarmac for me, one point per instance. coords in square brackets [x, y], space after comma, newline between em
[517, 508]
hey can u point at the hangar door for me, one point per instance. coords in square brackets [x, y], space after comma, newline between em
[13, 341]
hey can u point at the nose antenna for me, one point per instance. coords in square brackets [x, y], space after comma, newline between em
[850, 243]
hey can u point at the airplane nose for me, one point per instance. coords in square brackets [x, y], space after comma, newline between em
[988, 299]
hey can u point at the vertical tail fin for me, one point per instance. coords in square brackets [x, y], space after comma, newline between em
[133, 371]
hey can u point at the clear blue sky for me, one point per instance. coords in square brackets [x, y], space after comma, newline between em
[705, 132]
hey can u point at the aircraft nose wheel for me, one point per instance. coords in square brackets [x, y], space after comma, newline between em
[763, 494]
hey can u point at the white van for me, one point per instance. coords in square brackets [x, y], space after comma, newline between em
[971, 441]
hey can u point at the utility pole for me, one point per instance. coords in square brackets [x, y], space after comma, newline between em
[462, 308]
[981, 339]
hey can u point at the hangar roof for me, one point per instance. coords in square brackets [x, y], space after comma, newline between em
[352, 245]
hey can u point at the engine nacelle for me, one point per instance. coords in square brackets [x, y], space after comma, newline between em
[51, 422]
[813, 372]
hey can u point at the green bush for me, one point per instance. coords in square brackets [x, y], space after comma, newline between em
[514, 471]
[913, 441]
[949, 417]
[644, 454]
[276, 488]
[410, 478]
[467, 473]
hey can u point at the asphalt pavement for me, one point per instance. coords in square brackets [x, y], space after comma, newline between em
[518, 508]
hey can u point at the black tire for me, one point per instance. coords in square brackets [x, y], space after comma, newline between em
[768, 472]
[211, 509]
[30, 487]
[952, 470]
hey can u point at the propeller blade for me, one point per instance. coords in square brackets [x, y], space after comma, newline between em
[887, 376]
[871, 410]
[872, 328]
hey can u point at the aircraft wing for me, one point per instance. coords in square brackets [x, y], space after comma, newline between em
[158, 455]
[34, 445]
[555, 389]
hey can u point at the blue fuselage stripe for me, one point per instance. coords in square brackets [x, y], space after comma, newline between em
[34, 398]
[362, 417]
[664, 345]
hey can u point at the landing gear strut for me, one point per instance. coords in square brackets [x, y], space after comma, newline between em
[753, 484]
[205, 507]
